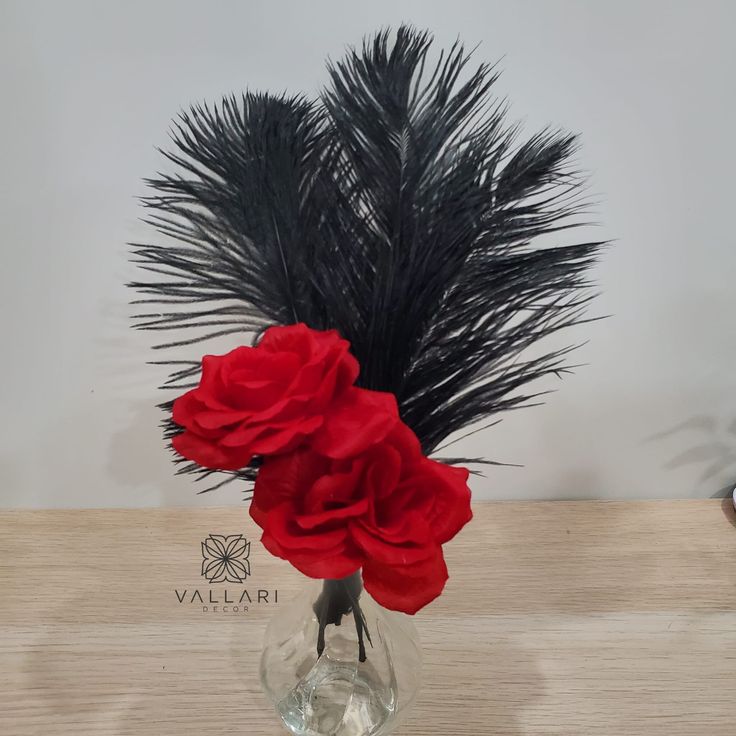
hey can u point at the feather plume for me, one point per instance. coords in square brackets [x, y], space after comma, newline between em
[399, 208]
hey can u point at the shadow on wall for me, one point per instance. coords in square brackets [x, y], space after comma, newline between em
[714, 449]
[138, 457]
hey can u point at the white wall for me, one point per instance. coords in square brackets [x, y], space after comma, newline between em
[88, 89]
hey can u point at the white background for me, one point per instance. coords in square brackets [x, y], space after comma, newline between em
[88, 90]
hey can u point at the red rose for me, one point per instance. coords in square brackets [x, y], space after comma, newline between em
[267, 399]
[388, 510]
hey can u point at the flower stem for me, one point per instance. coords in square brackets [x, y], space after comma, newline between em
[341, 598]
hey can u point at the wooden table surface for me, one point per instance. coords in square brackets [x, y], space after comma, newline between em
[559, 618]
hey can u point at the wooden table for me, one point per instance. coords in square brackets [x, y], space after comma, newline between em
[559, 618]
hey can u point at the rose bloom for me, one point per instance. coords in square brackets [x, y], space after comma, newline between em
[387, 510]
[268, 399]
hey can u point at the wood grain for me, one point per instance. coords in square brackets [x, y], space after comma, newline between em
[611, 618]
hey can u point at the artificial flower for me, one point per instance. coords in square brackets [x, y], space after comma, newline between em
[388, 510]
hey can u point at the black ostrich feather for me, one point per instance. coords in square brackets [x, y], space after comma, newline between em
[399, 208]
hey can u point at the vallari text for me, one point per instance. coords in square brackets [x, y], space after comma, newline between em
[225, 597]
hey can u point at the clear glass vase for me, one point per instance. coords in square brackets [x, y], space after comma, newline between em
[335, 663]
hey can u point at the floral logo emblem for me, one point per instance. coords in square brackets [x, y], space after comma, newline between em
[225, 559]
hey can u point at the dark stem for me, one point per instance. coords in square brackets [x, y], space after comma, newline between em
[340, 598]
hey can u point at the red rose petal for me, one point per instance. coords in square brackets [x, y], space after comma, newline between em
[406, 443]
[186, 408]
[342, 372]
[323, 518]
[209, 420]
[359, 419]
[282, 526]
[337, 562]
[209, 454]
[274, 440]
[334, 487]
[282, 478]
[451, 498]
[413, 542]
[211, 364]
[406, 588]
[295, 338]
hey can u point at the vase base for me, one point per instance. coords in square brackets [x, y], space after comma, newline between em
[332, 672]
[338, 699]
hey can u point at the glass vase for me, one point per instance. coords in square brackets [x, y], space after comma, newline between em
[335, 663]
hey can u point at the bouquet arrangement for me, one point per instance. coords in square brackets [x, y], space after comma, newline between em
[375, 247]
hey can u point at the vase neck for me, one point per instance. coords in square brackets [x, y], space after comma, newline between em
[339, 598]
